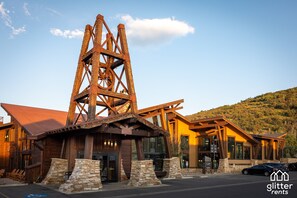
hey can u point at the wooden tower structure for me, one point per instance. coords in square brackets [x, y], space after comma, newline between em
[103, 84]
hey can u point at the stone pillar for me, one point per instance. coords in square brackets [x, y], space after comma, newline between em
[223, 166]
[57, 171]
[143, 174]
[123, 174]
[172, 168]
[85, 177]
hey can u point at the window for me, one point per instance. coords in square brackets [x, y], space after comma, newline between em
[239, 150]
[153, 145]
[154, 149]
[184, 146]
[6, 137]
[204, 144]
[231, 147]
[247, 152]
[257, 152]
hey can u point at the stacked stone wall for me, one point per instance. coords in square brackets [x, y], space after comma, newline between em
[85, 177]
[143, 174]
[172, 168]
[56, 172]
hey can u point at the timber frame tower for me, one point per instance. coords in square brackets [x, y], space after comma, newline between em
[103, 84]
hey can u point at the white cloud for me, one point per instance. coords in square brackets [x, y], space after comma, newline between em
[26, 10]
[54, 12]
[155, 31]
[67, 33]
[8, 22]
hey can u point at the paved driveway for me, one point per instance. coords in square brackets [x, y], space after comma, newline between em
[212, 186]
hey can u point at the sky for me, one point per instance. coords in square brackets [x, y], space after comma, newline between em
[209, 53]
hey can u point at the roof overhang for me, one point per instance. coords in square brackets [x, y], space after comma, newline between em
[208, 124]
[129, 125]
[6, 126]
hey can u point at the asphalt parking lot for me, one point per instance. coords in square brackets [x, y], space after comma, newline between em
[232, 185]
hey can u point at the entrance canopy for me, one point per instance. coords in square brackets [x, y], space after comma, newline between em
[128, 124]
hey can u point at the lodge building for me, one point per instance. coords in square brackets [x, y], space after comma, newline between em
[105, 137]
[35, 135]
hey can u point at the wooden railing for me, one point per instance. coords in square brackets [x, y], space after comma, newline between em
[33, 173]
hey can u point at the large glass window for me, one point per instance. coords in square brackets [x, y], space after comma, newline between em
[257, 152]
[204, 144]
[246, 152]
[154, 148]
[231, 147]
[184, 146]
[239, 150]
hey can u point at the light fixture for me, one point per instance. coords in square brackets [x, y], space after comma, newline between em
[115, 144]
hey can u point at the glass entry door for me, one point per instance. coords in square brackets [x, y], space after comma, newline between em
[108, 166]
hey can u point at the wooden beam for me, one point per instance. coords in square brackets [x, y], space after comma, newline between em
[221, 145]
[139, 148]
[71, 152]
[89, 143]
[112, 54]
[116, 64]
[78, 75]
[62, 149]
[103, 104]
[113, 94]
[93, 90]
[81, 95]
[162, 106]
[195, 127]
[128, 68]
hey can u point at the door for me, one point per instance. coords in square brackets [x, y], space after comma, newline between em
[108, 166]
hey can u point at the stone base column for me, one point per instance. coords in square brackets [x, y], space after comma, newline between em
[123, 174]
[143, 174]
[56, 173]
[85, 177]
[172, 168]
[223, 166]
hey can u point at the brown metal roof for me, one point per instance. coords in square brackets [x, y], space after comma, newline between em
[36, 121]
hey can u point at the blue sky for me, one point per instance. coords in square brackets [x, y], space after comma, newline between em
[210, 53]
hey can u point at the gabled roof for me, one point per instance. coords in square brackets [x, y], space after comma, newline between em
[121, 124]
[267, 136]
[208, 123]
[36, 121]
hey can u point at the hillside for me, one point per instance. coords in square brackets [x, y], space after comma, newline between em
[267, 113]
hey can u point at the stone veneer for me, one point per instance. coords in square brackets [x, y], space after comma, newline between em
[172, 168]
[85, 177]
[56, 173]
[223, 166]
[143, 174]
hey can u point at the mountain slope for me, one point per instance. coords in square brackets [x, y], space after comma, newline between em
[267, 113]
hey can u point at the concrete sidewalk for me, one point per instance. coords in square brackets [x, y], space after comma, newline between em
[10, 182]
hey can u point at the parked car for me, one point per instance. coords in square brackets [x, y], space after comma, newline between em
[259, 170]
[279, 166]
[292, 166]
